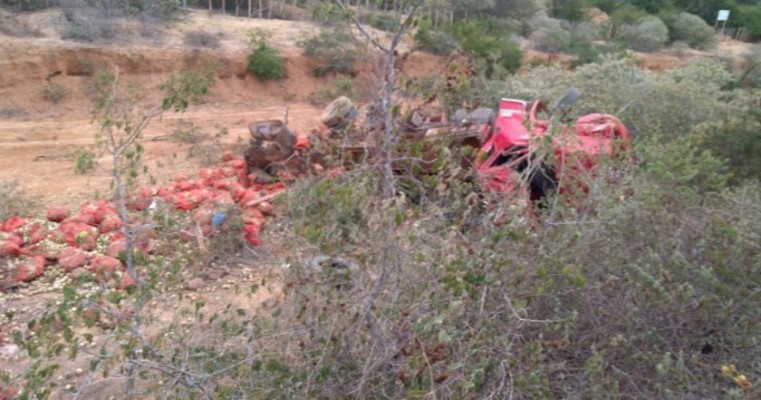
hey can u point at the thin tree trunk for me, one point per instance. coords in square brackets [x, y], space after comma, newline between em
[269, 9]
[210, 5]
[223, 7]
[249, 8]
[261, 9]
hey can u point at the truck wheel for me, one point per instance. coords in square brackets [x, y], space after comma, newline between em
[340, 111]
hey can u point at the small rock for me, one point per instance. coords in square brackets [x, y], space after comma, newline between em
[266, 208]
[107, 323]
[269, 303]
[216, 274]
[78, 371]
[194, 284]
[9, 350]
[77, 273]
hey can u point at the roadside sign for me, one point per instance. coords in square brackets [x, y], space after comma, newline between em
[723, 15]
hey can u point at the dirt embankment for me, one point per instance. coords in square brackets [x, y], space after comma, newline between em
[46, 88]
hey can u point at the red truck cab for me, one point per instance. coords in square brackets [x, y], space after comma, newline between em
[509, 150]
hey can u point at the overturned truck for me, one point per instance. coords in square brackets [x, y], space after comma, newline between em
[520, 146]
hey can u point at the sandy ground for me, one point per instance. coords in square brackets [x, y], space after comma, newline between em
[38, 137]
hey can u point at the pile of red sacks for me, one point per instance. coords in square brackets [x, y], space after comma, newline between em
[92, 237]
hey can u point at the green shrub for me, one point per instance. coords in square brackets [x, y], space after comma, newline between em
[736, 136]
[570, 10]
[327, 14]
[647, 103]
[334, 49]
[549, 34]
[489, 43]
[330, 213]
[706, 71]
[649, 34]
[582, 44]
[84, 161]
[383, 21]
[593, 296]
[265, 61]
[692, 30]
[434, 41]
[188, 86]
[749, 17]
[626, 14]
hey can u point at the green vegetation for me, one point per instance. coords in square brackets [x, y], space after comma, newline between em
[334, 50]
[265, 61]
[692, 30]
[489, 42]
[384, 22]
[434, 41]
[648, 34]
[84, 161]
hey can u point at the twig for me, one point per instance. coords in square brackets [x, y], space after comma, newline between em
[531, 321]
[264, 198]
[430, 367]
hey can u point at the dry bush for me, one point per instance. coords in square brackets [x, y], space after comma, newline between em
[755, 53]
[335, 50]
[649, 34]
[201, 38]
[629, 298]
[55, 93]
[671, 104]
[692, 30]
[15, 201]
[86, 23]
[11, 26]
[549, 34]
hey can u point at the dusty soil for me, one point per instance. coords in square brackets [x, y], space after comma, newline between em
[38, 136]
